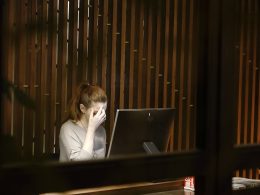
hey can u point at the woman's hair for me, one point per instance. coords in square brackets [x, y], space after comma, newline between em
[86, 94]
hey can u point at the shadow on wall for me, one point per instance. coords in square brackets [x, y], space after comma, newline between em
[8, 148]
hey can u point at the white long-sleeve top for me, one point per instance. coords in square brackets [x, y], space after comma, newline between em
[71, 140]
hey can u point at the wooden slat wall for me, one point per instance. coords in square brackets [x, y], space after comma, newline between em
[143, 53]
[247, 58]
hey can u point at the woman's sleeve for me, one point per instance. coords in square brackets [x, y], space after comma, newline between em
[101, 153]
[71, 146]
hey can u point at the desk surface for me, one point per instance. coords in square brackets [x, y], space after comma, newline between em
[173, 192]
[161, 188]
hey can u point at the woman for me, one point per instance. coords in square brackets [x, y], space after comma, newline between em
[82, 136]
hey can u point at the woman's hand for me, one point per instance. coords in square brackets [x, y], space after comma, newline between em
[95, 120]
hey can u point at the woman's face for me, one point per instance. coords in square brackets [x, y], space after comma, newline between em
[97, 105]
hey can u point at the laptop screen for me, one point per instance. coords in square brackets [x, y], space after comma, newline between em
[140, 131]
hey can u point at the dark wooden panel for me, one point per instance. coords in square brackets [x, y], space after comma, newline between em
[248, 79]
[181, 74]
[64, 58]
[257, 22]
[9, 43]
[105, 45]
[158, 53]
[122, 56]
[27, 130]
[166, 53]
[31, 80]
[252, 61]
[189, 78]
[135, 169]
[173, 68]
[132, 54]
[149, 64]
[20, 67]
[247, 75]
[113, 64]
[240, 74]
[73, 48]
[43, 74]
[83, 40]
[47, 91]
[53, 146]
[94, 21]
[140, 47]
[61, 67]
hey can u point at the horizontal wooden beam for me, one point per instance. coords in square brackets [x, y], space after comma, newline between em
[40, 177]
[247, 156]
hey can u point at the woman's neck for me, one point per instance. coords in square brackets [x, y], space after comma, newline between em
[83, 122]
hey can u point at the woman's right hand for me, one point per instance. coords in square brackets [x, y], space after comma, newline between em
[96, 120]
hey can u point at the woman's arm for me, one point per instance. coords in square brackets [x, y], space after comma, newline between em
[93, 124]
[71, 147]
[100, 143]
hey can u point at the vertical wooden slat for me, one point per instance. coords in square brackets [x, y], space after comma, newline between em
[74, 37]
[90, 34]
[257, 22]
[95, 41]
[239, 116]
[247, 77]
[43, 65]
[149, 56]
[194, 83]
[27, 132]
[61, 67]
[33, 60]
[132, 54]
[80, 21]
[127, 53]
[52, 147]
[20, 74]
[158, 49]
[174, 51]
[70, 42]
[99, 41]
[173, 64]
[75, 49]
[64, 56]
[254, 70]
[182, 61]
[166, 53]
[10, 62]
[145, 8]
[83, 39]
[113, 63]
[122, 56]
[237, 62]
[189, 77]
[37, 73]
[16, 107]
[47, 79]
[30, 80]
[105, 44]
[140, 56]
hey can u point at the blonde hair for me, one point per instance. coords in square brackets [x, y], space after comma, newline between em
[86, 94]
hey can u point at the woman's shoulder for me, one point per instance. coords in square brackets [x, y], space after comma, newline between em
[67, 126]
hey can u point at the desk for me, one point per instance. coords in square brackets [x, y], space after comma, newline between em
[132, 189]
[173, 192]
